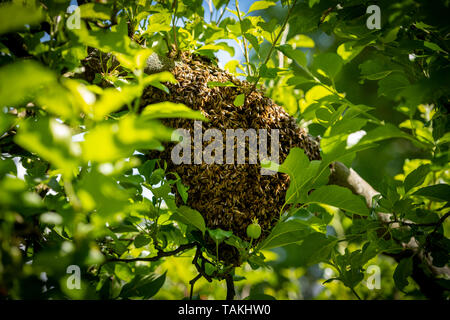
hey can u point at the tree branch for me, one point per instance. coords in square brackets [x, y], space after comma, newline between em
[425, 278]
[160, 254]
[192, 282]
[230, 287]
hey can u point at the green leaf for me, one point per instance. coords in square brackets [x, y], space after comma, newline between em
[253, 41]
[301, 41]
[383, 132]
[52, 141]
[141, 240]
[7, 166]
[438, 192]
[340, 197]
[14, 16]
[213, 84]
[182, 190]
[375, 69]
[101, 193]
[239, 100]
[156, 176]
[402, 272]
[349, 50]
[216, 47]
[313, 2]
[433, 46]
[260, 5]
[161, 191]
[351, 264]
[337, 144]
[22, 79]
[233, 66]
[112, 99]
[315, 248]
[170, 110]
[6, 120]
[159, 22]
[114, 40]
[267, 72]
[95, 11]
[190, 216]
[156, 79]
[219, 235]
[294, 81]
[416, 177]
[58, 100]
[284, 233]
[324, 115]
[301, 171]
[143, 286]
[123, 272]
[296, 55]
[328, 64]
[113, 140]
[391, 85]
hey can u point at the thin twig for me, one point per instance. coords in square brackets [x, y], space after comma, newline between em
[230, 287]
[247, 59]
[430, 224]
[223, 11]
[441, 221]
[160, 254]
[174, 7]
[192, 282]
[354, 292]
[201, 269]
[274, 43]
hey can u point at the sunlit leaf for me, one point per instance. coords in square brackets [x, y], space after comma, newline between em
[301, 41]
[15, 16]
[21, 80]
[349, 50]
[260, 5]
[190, 217]
[328, 64]
[296, 55]
[239, 100]
[95, 11]
[102, 194]
[170, 110]
[159, 22]
[52, 141]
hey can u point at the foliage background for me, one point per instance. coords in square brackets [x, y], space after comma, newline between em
[397, 75]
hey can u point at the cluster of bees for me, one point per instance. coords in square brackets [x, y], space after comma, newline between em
[229, 196]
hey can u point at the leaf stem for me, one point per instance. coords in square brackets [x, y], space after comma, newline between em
[223, 11]
[274, 43]
[247, 60]
[174, 7]
[356, 294]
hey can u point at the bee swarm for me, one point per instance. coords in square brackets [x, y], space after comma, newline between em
[229, 196]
